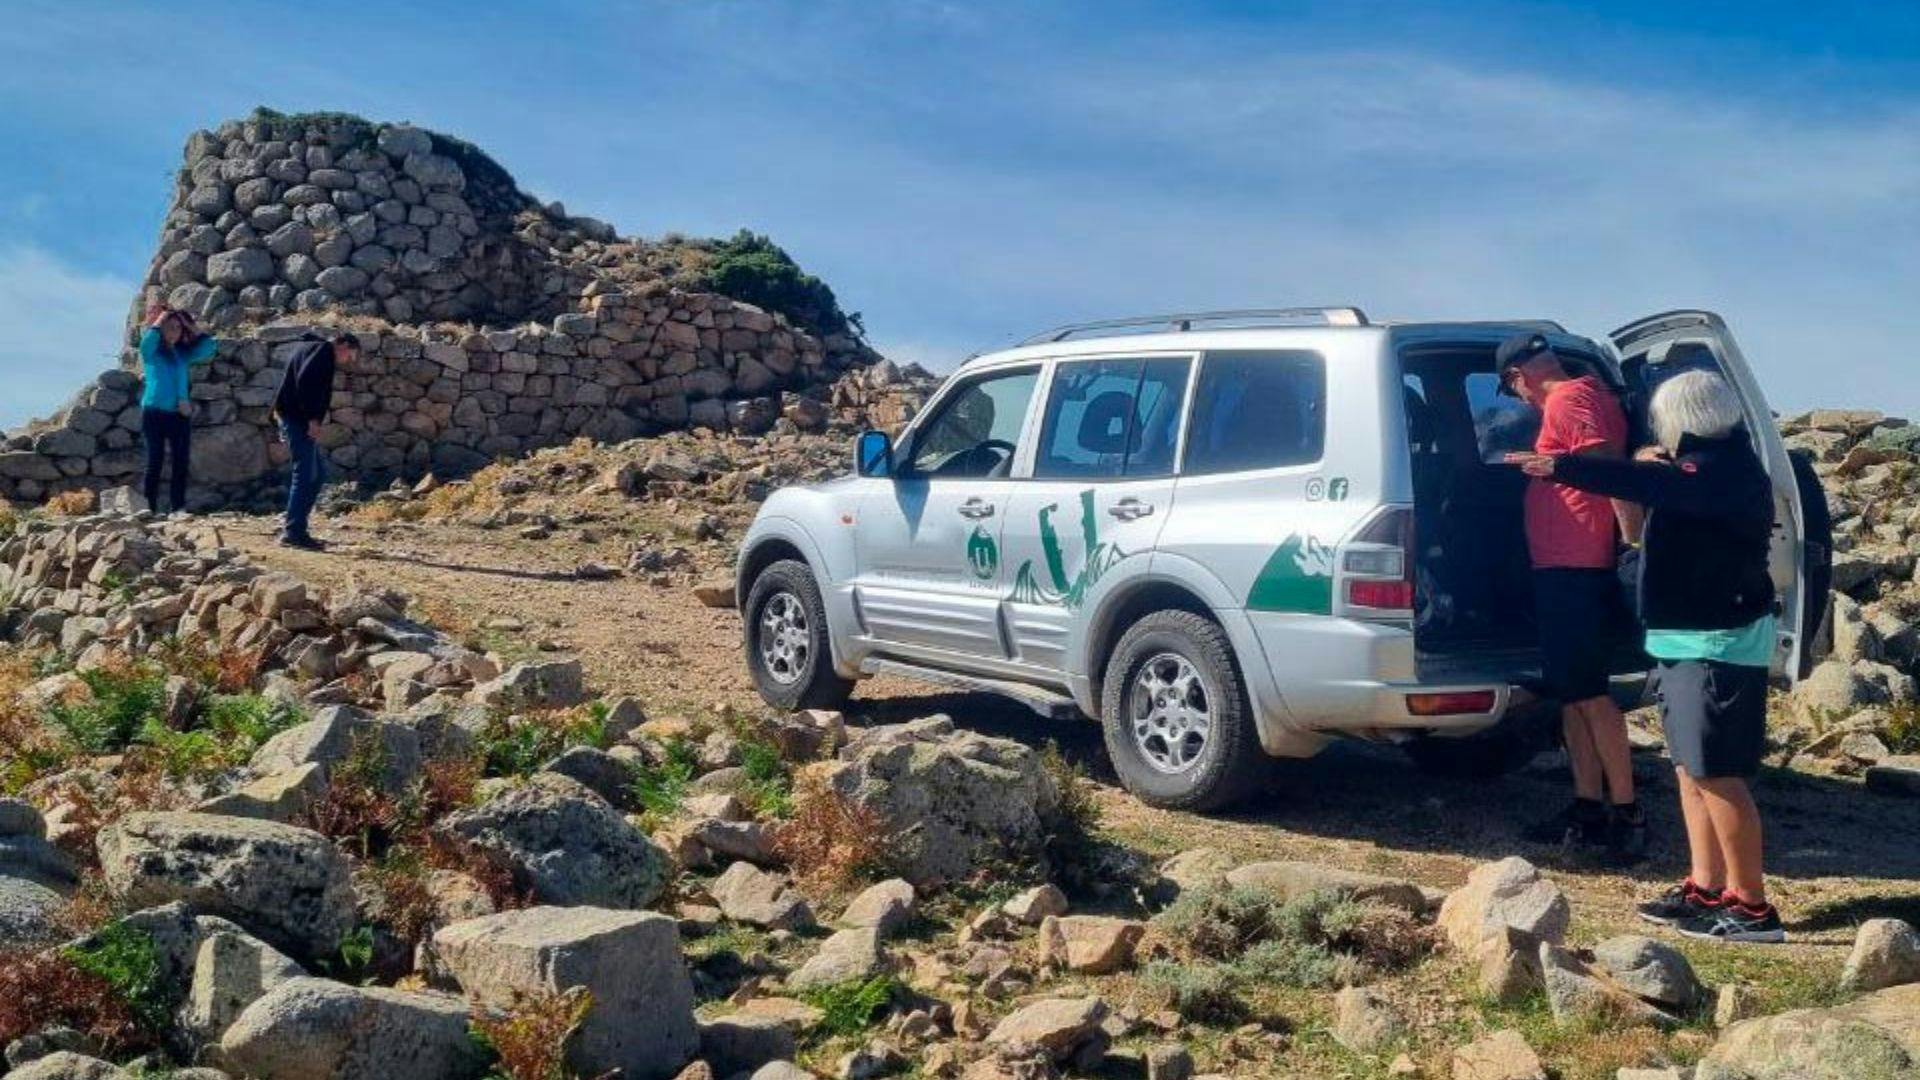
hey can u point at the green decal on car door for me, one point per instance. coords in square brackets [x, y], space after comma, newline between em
[1066, 591]
[1298, 577]
[983, 555]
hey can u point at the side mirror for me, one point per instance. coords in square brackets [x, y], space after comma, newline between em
[873, 454]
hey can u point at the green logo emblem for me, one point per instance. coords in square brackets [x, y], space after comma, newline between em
[983, 555]
[1337, 490]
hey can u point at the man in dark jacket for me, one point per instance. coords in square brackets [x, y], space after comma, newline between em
[301, 406]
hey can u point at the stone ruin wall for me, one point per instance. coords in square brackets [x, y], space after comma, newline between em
[490, 325]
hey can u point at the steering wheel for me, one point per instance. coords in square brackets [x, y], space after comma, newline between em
[973, 461]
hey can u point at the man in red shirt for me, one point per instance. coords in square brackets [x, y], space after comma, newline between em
[1572, 538]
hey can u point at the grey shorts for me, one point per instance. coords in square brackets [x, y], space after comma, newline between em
[1715, 716]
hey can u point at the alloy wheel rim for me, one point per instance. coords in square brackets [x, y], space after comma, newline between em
[1169, 713]
[786, 643]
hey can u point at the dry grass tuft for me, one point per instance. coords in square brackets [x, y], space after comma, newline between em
[830, 842]
[77, 503]
[531, 1039]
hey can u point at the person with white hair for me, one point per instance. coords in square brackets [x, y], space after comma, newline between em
[1707, 599]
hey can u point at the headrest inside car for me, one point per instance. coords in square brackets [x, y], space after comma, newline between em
[1105, 423]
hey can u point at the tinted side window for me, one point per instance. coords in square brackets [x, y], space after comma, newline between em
[1257, 411]
[1112, 418]
[975, 432]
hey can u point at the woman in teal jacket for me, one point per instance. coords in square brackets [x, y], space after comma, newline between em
[169, 346]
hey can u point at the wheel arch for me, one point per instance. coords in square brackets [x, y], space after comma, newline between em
[1128, 605]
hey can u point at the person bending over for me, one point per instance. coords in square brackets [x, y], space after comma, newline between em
[1708, 602]
[301, 406]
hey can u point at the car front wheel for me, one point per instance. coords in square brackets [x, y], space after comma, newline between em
[786, 640]
[1176, 717]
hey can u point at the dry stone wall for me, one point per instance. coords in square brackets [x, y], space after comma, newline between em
[491, 325]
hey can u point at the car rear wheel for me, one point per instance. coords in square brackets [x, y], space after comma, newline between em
[1175, 713]
[786, 640]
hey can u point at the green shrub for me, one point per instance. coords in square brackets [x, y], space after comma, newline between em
[659, 788]
[769, 786]
[1201, 993]
[849, 1008]
[518, 744]
[1220, 923]
[753, 268]
[231, 727]
[121, 697]
[126, 959]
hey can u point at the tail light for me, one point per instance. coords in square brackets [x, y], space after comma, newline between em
[1377, 564]
[1451, 704]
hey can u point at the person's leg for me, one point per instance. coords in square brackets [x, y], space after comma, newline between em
[297, 442]
[1612, 752]
[153, 437]
[180, 448]
[1707, 864]
[1736, 826]
[1583, 757]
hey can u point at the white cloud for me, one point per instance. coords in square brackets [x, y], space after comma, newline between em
[59, 326]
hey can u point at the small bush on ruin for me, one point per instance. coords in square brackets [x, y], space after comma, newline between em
[1202, 993]
[29, 750]
[519, 743]
[830, 842]
[768, 790]
[529, 1041]
[1221, 922]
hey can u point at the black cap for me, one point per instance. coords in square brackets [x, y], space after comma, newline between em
[1515, 351]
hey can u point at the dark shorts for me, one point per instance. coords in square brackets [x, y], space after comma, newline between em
[1715, 716]
[1579, 615]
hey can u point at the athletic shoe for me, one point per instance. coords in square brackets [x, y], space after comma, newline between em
[1626, 838]
[304, 543]
[1738, 922]
[1579, 823]
[1682, 903]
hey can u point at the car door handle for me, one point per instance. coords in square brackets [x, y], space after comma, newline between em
[976, 508]
[1130, 509]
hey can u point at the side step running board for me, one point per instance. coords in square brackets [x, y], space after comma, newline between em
[1048, 703]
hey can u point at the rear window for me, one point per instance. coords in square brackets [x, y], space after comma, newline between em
[1257, 410]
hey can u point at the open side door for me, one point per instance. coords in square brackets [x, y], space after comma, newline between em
[1659, 347]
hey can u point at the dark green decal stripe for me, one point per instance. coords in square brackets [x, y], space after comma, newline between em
[1298, 577]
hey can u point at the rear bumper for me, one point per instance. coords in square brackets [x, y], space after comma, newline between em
[1334, 676]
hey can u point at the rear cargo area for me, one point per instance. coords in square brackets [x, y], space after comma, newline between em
[1473, 603]
[1473, 592]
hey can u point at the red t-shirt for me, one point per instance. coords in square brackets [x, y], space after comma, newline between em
[1567, 527]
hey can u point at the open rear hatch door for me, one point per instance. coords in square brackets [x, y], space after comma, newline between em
[1659, 347]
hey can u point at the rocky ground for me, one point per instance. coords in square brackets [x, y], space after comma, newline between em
[486, 788]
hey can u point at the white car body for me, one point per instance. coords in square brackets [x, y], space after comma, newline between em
[1023, 582]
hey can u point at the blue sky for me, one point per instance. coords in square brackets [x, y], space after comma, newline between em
[965, 174]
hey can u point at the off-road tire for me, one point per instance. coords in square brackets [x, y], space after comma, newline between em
[1488, 755]
[1231, 763]
[817, 685]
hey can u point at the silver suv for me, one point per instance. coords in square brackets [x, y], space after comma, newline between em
[1228, 536]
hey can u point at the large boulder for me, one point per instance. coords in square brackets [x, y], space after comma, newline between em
[67, 1065]
[549, 684]
[1877, 1035]
[29, 913]
[1059, 1026]
[1578, 994]
[847, 956]
[335, 734]
[288, 885]
[1502, 1055]
[567, 844]
[316, 1029]
[747, 894]
[952, 801]
[229, 453]
[641, 1021]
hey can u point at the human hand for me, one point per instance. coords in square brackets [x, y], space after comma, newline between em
[313, 429]
[1540, 465]
[1652, 453]
[186, 408]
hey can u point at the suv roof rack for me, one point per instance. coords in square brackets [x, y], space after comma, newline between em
[1328, 316]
